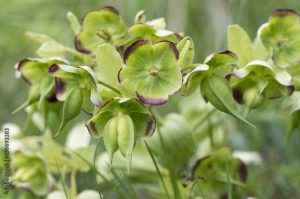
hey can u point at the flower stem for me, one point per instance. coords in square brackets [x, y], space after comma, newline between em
[110, 87]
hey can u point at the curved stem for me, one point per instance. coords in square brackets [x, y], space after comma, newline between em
[110, 87]
[157, 116]
[211, 112]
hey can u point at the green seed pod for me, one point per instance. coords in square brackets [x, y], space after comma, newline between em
[110, 136]
[126, 137]
[252, 98]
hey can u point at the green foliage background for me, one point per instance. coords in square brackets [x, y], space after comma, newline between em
[205, 21]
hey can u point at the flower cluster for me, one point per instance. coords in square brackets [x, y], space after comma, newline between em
[117, 73]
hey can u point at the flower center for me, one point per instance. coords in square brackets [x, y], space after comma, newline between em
[153, 71]
[83, 86]
[104, 34]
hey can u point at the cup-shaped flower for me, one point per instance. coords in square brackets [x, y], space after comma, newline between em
[77, 87]
[120, 122]
[153, 69]
[281, 37]
[29, 172]
[104, 26]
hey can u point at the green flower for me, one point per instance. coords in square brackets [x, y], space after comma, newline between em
[258, 80]
[120, 122]
[77, 87]
[153, 69]
[214, 87]
[213, 171]
[35, 72]
[104, 26]
[29, 172]
[281, 37]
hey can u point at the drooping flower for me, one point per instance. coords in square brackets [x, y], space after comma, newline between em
[35, 72]
[77, 87]
[153, 69]
[29, 171]
[121, 122]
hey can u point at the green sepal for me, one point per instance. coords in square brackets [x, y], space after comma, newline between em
[126, 137]
[110, 137]
[109, 62]
[144, 122]
[235, 37]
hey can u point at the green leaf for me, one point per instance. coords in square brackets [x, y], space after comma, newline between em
[239, 42]
[126, 137]
[71, 108]
[110, 137]
[217, 91]
[76, 27]
[109, 62]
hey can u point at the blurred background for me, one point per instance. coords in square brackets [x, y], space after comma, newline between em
[204, 20]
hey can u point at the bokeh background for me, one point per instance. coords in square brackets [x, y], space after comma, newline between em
[204, 20]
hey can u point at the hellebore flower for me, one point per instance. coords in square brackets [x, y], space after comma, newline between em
[259, 80]
[153, 69]
[29, 172]
[281, 37]
[120, 122]
[104, 26]
[213, 85]
[77, 86]
[35, 72]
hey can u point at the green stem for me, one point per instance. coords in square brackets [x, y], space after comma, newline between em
[110, 87]
[156, 115]
[229, 187]
[203, 119]
[73, 184]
